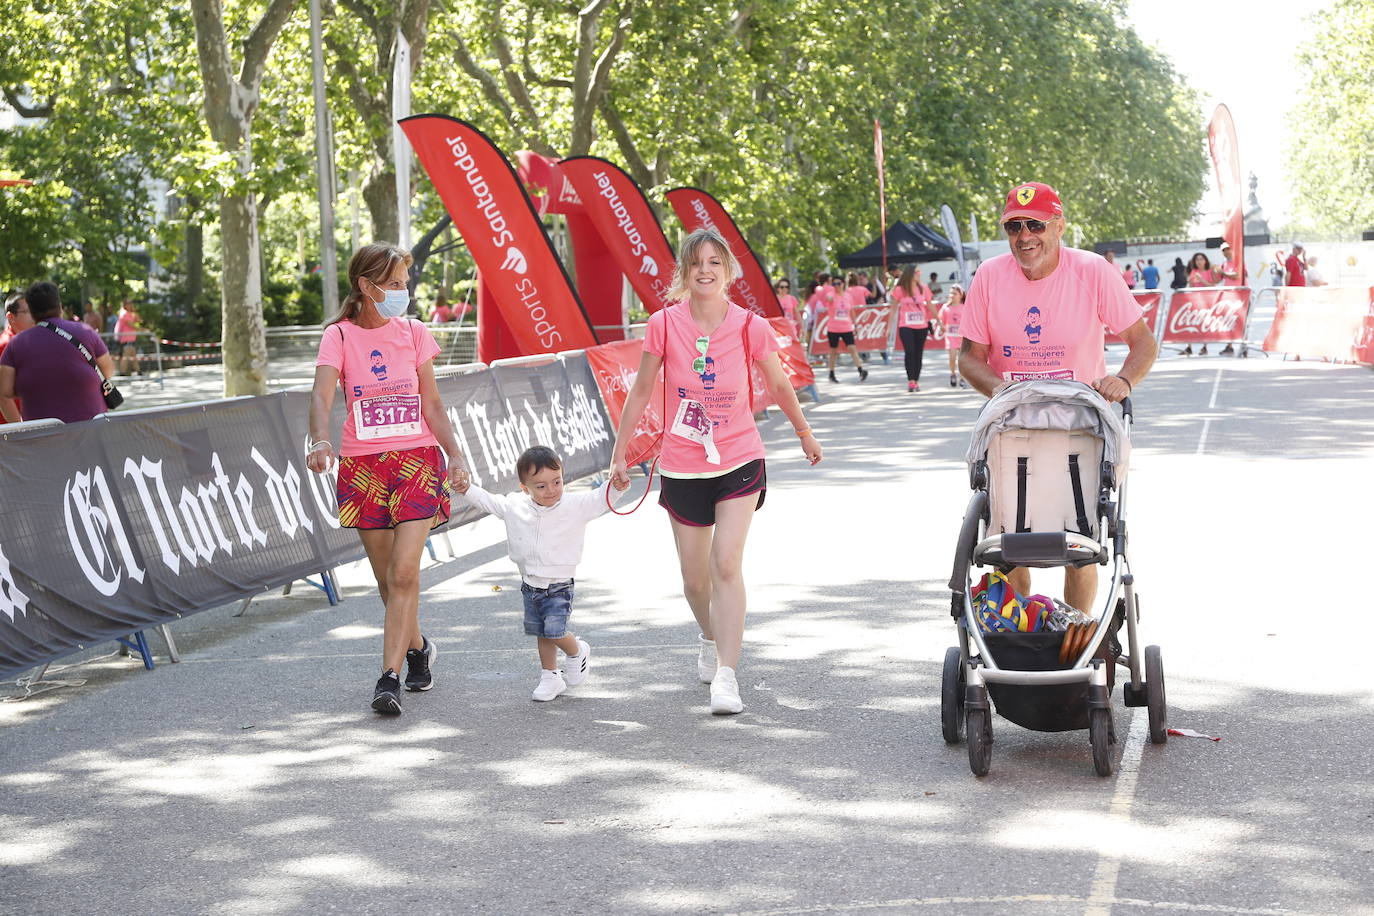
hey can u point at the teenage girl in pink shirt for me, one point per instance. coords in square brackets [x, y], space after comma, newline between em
[911, 312]
[711, 465]
[1200, 274]
[951, 314]
[393, 480]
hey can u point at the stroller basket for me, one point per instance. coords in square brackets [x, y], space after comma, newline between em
[1042, 708]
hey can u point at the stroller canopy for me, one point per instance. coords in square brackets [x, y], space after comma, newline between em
[1050, 404]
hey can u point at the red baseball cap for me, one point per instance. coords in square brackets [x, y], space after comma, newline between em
[1033, 199]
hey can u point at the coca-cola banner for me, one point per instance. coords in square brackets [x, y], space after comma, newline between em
[1221, 141]
[504, 235]
[627, 225]
[697, 209]
[1214, 315]
[615, 366]
[1328, 322]
[1149, 303]
[129, 521]
[790, 354]
[870, 329]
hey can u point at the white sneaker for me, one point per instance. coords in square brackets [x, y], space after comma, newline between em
[706, 659]
[551, 684]
[725, 699]
[575, 667]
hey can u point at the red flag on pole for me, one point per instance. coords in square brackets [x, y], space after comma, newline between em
[1221, 139]
[697, 209]
[882, 190]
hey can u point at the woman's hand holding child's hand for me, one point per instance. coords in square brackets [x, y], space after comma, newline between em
[459, 480]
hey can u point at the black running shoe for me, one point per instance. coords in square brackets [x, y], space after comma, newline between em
[832, 376]
[863, 374]
[418, 663]
[387, 697]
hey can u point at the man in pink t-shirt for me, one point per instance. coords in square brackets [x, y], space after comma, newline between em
[1038, 312]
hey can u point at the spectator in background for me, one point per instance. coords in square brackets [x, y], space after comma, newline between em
[48, 374]
[442, 313]
[92, 318]
[1180, 272]
[17, 318]
[935, 288]
[1128, 275]
[1230, 272]
[126, 335]
[1149, 273]
[1200, 274]
[1295, 267]
[1312, 277]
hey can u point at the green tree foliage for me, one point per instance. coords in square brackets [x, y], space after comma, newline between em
[767, 104]
[1331, 147]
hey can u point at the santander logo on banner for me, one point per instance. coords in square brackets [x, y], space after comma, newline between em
[699, 210]
[626, 224]
[483, 195]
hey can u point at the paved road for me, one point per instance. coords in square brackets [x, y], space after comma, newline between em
[252, 778]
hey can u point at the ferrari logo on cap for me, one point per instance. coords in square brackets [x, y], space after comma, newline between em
[1024, 195]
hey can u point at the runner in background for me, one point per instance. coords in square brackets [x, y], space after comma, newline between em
[911, 312]
[951, 316]
[840, 329]
[126, 335]
[789, 303]
[1231, 274]
[711, 464]
[393, 480]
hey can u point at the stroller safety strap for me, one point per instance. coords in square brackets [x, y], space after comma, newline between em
[1022, 467]
[1076, 481]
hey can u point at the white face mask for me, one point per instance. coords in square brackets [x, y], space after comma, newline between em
[394, 303]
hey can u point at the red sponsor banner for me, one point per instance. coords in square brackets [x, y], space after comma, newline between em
[503, 232]
[627, 225]
[1149, 304]
[870, 329]
[697, 209]
[615, 366]
[1207, 315]
[1221, 140]
[792, 358]
[1330, 322]
[1364, 348]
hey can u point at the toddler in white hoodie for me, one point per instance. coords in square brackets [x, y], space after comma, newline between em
[544, 534]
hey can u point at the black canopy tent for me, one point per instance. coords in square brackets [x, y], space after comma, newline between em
[907, 243]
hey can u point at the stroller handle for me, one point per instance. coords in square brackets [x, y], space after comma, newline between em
[1127, 413]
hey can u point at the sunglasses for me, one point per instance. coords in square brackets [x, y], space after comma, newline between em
[699, 364]
[1035, 226]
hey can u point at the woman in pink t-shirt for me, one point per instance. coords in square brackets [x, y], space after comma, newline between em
[711, 464]
[911, 313]
[1200, 273]
[951, 314]
[788, 302]
[839, 329]
[393, 480]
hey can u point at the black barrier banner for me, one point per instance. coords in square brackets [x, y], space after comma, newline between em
[135, 519]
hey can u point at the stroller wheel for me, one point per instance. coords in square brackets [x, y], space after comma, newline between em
[979, 722]
[1100, 736]
[1154, 695]
[952, 697]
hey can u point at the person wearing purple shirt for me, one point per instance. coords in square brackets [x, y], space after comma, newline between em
[46, 372]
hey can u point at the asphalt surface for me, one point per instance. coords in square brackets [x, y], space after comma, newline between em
[253, 778]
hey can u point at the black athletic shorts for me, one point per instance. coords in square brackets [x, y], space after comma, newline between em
[692, 500]
[837, 336]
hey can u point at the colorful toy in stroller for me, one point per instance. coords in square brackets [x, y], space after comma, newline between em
[1047, 464]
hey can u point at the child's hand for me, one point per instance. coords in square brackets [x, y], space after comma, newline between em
[620, 478]
[459, 480]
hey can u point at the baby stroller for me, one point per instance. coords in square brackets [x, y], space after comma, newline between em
[1047, 464]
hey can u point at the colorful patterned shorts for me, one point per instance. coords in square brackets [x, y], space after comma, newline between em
[385, 489]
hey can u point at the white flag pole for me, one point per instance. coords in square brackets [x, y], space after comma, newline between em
[400, 108]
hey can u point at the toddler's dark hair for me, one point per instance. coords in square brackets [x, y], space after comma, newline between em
[537, 458]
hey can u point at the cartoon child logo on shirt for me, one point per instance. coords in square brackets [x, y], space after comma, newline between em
[378, 368]
[708, 378]
[1033, 325]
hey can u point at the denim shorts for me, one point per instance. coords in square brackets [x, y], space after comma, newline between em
[547, 609]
